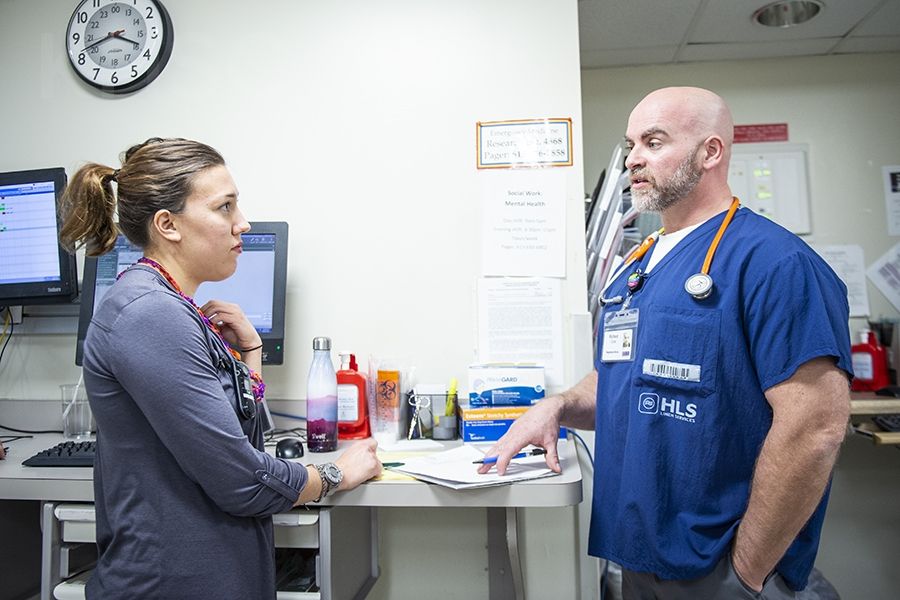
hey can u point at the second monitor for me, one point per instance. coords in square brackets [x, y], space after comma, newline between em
[258, 285]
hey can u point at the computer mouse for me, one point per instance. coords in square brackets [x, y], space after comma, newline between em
[289, 448]
[891, 391]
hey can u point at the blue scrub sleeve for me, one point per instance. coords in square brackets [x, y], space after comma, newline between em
[797, 312]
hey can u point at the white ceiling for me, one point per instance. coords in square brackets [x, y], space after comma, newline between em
[638, 32]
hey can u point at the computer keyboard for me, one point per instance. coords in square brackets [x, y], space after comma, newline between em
[887, 422]
[65, 454]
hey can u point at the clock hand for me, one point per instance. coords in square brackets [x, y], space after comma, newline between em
[109, 35]
[125, 39]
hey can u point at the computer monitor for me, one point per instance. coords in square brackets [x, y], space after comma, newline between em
[34, 268]
[258, 285]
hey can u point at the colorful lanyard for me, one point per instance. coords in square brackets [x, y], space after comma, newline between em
[259, 387]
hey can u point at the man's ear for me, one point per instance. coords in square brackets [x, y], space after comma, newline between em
[164, 224]
[713, 151]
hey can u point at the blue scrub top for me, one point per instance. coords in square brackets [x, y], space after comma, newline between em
[675, 456]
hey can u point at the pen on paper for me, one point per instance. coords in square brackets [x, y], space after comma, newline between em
[492, 459]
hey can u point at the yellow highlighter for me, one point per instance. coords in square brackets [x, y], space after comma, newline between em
[450, 409]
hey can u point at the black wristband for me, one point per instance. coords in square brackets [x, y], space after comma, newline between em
[251, 349]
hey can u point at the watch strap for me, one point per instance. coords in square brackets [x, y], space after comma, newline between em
[326, 485]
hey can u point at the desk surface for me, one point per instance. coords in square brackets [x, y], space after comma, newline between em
[867, 403]
[75, 484]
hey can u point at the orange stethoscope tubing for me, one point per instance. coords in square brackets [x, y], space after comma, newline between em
[735, 204]
[699, 285]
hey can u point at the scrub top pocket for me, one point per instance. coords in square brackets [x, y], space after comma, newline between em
[678, 349]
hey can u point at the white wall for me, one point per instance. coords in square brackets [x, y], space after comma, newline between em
[846, 109]
[355, 122]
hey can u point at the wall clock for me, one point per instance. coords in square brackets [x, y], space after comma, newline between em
[119, 47]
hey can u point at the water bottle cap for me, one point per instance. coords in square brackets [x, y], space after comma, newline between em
[321, 343]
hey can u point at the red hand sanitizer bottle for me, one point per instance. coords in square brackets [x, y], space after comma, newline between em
[353, 409]
[870, 366]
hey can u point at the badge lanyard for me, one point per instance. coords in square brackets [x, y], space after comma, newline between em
[699, 285]
[620, 326]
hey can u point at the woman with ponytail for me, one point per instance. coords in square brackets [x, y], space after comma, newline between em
[184, 490]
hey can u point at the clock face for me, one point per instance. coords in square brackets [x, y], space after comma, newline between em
[119, 47]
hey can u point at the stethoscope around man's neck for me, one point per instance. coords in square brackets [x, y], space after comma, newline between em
[698, 285]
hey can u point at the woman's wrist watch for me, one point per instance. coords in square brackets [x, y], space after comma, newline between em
[331, 476]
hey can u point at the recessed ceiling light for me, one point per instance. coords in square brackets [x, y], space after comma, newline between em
[787, 13]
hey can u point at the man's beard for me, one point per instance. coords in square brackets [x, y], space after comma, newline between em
[662, 195]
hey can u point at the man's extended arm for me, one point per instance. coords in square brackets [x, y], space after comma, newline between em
[575, 407]
[810, 412]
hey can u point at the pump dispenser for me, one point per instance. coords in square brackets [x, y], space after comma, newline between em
[870, 365]
[353, 408]
[321, 399]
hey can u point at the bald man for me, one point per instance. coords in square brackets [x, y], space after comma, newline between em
[720, 396]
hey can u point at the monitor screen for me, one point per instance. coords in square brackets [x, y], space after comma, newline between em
[34, 268]
[258, 285]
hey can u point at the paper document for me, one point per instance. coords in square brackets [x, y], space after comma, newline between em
[455, 469]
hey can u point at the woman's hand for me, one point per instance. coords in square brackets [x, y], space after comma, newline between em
[359, 464]
[234, 325]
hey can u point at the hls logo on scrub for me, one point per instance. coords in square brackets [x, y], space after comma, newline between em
[651, 404]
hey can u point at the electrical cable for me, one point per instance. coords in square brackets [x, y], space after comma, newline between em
[8, 321]
[2, 426]
[578, 438]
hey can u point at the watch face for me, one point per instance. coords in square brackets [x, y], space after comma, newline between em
[119, 47]
[333, 474]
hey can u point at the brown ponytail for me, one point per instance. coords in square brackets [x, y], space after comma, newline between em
[88, 208]
[155, 175]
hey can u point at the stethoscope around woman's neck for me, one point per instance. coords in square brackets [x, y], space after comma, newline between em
[698, 285]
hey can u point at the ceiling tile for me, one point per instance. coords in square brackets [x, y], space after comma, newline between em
[616, 24]
[883, 43]
[595, 59]
[884, 21]
[741, 51]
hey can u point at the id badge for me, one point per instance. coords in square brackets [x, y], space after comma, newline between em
[619, 335]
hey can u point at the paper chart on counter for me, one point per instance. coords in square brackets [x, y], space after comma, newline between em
[455, 469]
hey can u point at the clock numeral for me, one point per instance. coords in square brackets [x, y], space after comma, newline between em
[114, 78]
[136, 22]
[128, 59]
[153, 31]
[134, 71]
[82, 17]
[115, 8]
[94, 50]
[96, 3]
[102, 60]
[149, 12]
[75, 38]
[140, 33]
[128, 12]
[104, 14]
[96, 72]
[115, 62]
[81, 58]
[146, 54]
[89, 37]
[94, 25]
[137, 47]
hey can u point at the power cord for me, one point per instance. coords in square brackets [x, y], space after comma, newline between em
[578, 438]
[8, 321]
